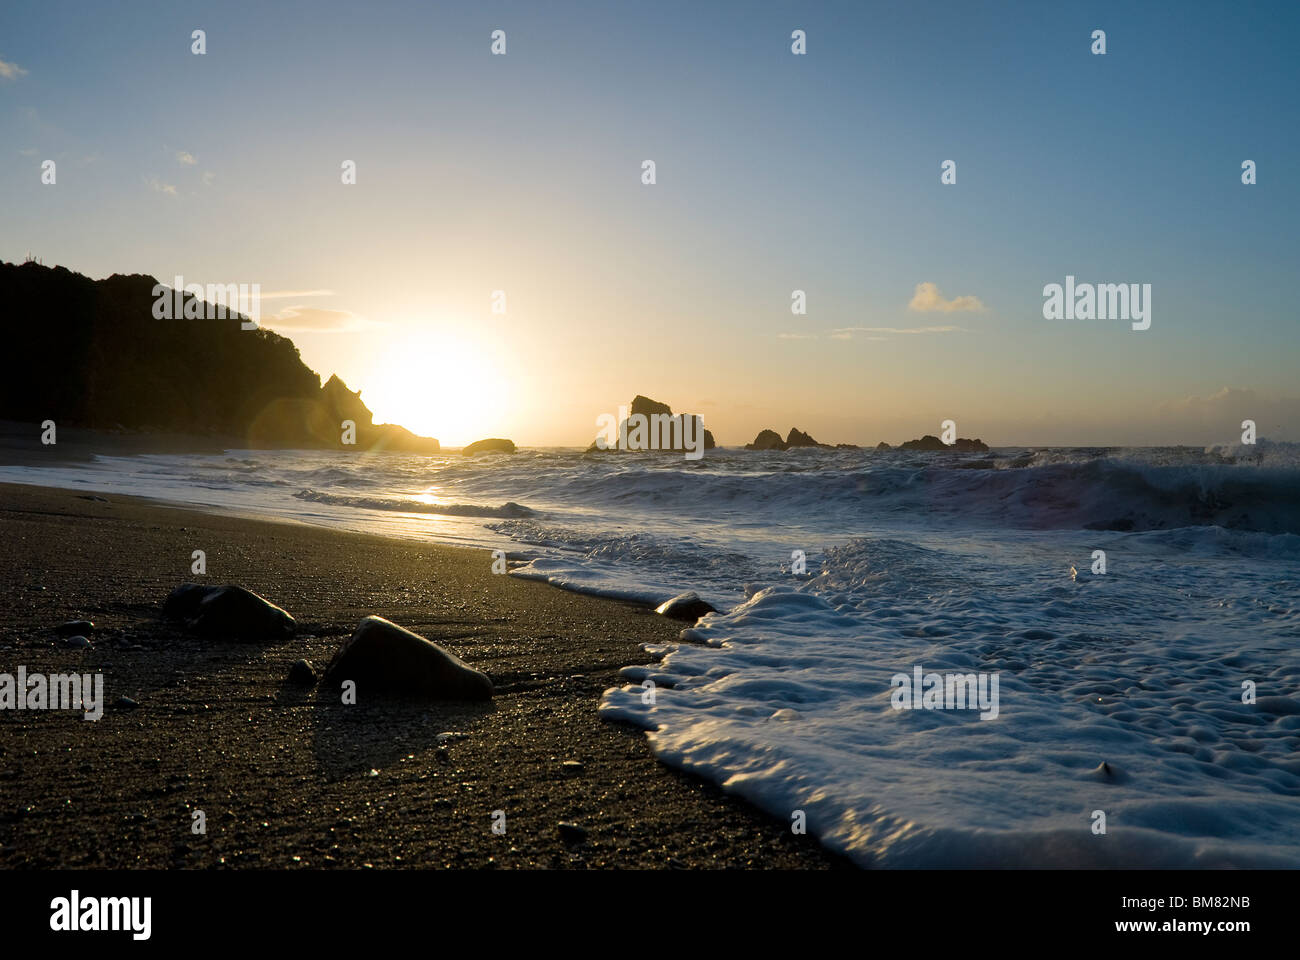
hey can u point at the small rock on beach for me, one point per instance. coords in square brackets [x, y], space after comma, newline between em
[685, 606]
[381, 656]
[228, 612]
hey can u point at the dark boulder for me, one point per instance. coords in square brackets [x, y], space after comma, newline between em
[228, 612]
[491, 445]
[74, 627]
[381, 657]
[302, 674]
[685, 606]
[571, 832]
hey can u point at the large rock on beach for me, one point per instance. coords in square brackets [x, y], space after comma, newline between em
[381, 657]
[228, 612]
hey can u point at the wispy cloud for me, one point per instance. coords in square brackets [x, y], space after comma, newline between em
[316, 320]
[848, 333]
[879, 334]
[11, 71]
[185, 158]
[208, 177]
[927, 298]
[851, 333]
[160, 187]
[295, 294]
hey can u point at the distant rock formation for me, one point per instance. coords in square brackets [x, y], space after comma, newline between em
[490, 445]
[882, 446]
[117, 367]
[771, 440]
[767, 440]
[663, 429]
[797, 438]
[961, 445]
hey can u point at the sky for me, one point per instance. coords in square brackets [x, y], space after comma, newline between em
[774, 172]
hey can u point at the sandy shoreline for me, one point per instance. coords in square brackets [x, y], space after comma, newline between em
[290, 778]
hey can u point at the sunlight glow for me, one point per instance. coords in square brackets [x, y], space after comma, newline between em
[440, 386]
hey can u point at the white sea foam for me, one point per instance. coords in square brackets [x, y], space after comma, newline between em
[787, 703]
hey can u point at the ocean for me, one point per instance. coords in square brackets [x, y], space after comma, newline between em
[1137, 608]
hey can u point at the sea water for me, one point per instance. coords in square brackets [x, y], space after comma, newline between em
[1177, 668]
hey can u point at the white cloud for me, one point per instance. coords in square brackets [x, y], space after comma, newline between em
[11, 71]
[927, 298]
[185, 158]
[208, 177]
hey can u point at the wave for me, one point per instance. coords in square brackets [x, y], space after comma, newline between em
[506, 510]
[1129, 491]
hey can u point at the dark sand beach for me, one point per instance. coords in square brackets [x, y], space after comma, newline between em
[289, 777]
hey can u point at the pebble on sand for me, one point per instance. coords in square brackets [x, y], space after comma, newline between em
[77, 642]
[385, 658]
[302, 674]
[685, 606]
[228, 612]
[572, 832]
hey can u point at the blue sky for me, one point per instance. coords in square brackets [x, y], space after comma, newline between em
[775, 172]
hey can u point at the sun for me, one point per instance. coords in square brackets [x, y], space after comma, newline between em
[440, 385]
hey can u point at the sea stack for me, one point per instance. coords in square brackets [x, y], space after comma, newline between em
[490, 445]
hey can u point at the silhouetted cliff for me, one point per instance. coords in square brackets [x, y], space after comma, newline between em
[90, 353]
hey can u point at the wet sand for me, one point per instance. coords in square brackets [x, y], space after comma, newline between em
[288, 777]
